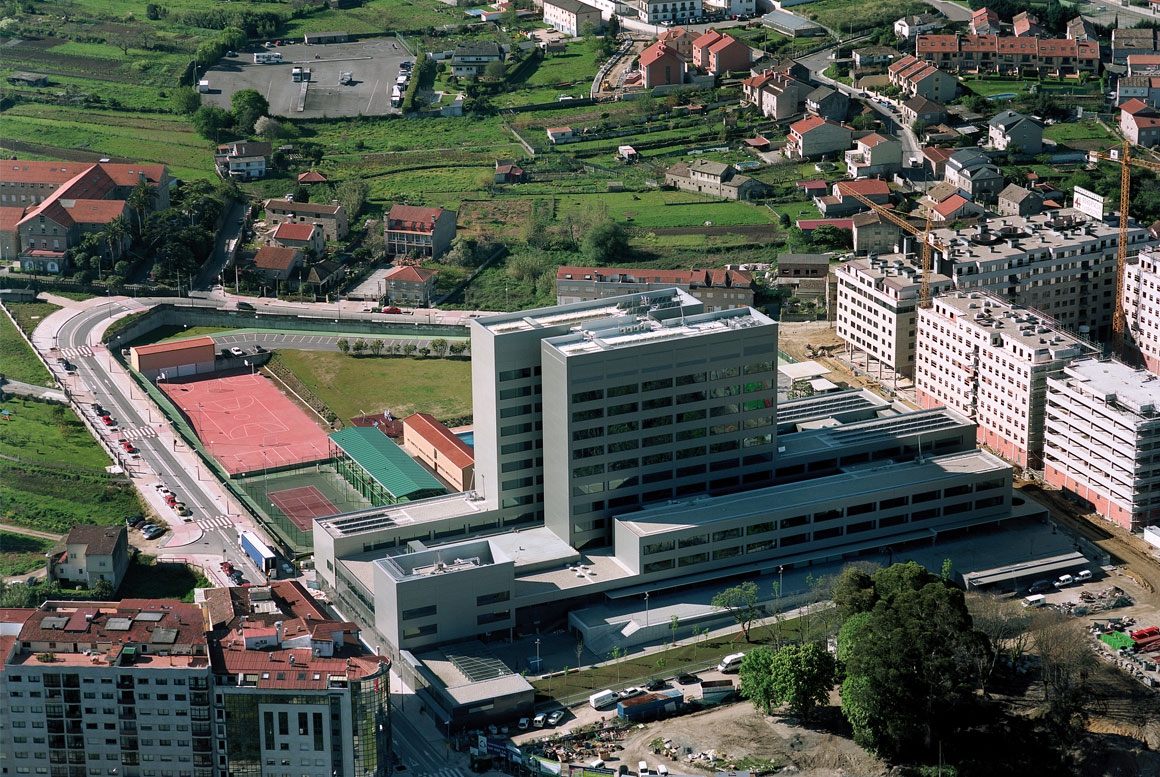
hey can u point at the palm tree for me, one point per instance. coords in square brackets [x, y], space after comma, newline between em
[114, 234]
[141, 200]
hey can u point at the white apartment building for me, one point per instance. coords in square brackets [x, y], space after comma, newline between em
[989, 360]
[672, 11]
[877, 299]
[1103, 439]
[107, 688]
[1142, 305]
[1062, 264]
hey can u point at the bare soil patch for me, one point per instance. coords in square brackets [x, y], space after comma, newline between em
[494, 219]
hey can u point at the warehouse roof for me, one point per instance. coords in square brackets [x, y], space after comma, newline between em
[387, 463]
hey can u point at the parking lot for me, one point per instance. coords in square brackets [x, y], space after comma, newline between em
[373, 65]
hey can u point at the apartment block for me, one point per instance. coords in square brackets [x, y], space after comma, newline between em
[877, 299]
[1142, 305]
[1062, 264]
[107, 688]
[1103, 433]
[715, 289]
[1009, 54]
[990, 360]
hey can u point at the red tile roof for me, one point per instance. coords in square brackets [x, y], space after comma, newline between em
[276, 258]
[872, 140]
[175, 345]
[412, 218]
[288, 231]
[9, 218]
[707, 39]
[658, 51]
[808, 224]
[950, 205]
[295, 668]
[409, 274]
[805, 125]
[866, 188]
[313, 176]
[28, 171]
[449, 445]
[1134, 106]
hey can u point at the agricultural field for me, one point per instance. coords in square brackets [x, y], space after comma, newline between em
[844, 17]
[148, 138]
[377, 16]
[349, 384]
[665, 209]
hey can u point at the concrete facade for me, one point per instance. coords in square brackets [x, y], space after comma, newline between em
[990, 361]
[1142, 305]
[715, 289]
[1102, 434]
[91, 554]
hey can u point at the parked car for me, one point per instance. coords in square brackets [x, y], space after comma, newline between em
[108, 420]
[555, 718]
[236, 351]
[227, 567]
[688, 679]
[258, 349]
[182, 510]
[236, 577]
[68, 366]
[96, 406]
[523, 724]
[144, 527]
[155, 532]
[629, 693]
[128, 446]
[539, 720]
[133, 521]
[1039, 586]
[393, 310]
[655, 685]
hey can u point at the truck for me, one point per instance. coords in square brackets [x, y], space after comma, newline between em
[396, 97]
[259, 553]
[602, 699]
[268, 58]
[652, 705]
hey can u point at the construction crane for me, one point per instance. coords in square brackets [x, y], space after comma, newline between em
[904, 224]
[1126, 162]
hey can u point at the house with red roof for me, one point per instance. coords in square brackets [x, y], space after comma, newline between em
[306, 237]
[410, 286]
[333, 218]
[443, 451]
[679, 40]
[661, 65]
[717, 53]
[954, 208]
[918, 78]
[311, 177]
[985, 22]
[507, 171]
[1140, 123]
[874, 155]
[275, 263]
[841, 202]
[1026, 25]
[776, 94]
[425, 232]
[814, 137]
[60, 203]
[1008, 55]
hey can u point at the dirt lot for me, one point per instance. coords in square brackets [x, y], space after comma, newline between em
[736, 732]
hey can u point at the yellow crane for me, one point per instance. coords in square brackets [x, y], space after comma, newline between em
[923, 234]
[1126, 162]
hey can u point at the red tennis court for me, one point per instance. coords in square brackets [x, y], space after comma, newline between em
[302, 505]
[245, 422]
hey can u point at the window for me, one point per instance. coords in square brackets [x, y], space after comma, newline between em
[419, 612]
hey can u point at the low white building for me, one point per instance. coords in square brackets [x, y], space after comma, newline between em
[989, 360]
[569, 16]
[1103, 431]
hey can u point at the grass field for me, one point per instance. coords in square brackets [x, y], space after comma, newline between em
[142, 137]
[349, 385]
[1067, 132]
[846, 16]
[19, 362]
[29, 314]
[665, 209]
[21, 554]
[52, 471]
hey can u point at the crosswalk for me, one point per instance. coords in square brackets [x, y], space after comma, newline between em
[138, 433]
[217, 522]
[77, 352]
[448, 772]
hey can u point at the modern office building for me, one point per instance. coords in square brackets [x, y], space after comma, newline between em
[106, 688]
[989, 360]
[1103, 431]
[679, 409]
[1142, 305]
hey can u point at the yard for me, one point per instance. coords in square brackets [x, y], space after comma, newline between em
[21, 554]
[665, 209]
[350, 385]
[151, 579]
[1089, 133]
[844, 17]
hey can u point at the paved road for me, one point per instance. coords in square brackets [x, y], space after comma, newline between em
[42, 535]
[953, 11]
[32, 390]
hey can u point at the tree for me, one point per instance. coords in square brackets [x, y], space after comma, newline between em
[755, 678]
[343, 345]
[268, 128]
[614, 656]
[605, 241]
[210, 120]
[359, 346]
[907, 661]
[247, 106]
[352, 195]
[377, 347]
[802, 677]
[1005, 624]
[495, 69]
[439, 347]
[409, 349]
[741, 602]
[141, 199]
[114, 234]
[1065, 662]
[853, 592]
[234, 38]
[185, 100]
[674, 624]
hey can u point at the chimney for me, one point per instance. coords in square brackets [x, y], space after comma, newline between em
[278, 630]
[291, 659]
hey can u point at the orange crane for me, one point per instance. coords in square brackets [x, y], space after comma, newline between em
[923, 234]
[1126, 162]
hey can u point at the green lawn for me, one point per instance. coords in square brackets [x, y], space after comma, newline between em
[18, 361]
[29, 314]
[846, 16]
[1088, 129]
[665, 209]
[349, 385]
[20, 554]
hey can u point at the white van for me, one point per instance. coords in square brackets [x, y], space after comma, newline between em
[597, 764]
[1064, 581]
[662, 770]
[730, 663]
[602, 699]
[1038, 600]
[1083, 574]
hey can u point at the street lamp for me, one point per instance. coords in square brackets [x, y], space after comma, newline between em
[646, 608]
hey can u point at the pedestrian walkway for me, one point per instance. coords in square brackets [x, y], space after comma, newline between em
[449, 772]
[76, 353]
[139, 432]
[217, 522]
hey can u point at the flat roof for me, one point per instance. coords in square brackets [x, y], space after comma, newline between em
[1030, 329]
[645, 329]
[1034, 568]
[174, 345]
[386, 462]
[704, 510]
[1136, 391]
[802, 370]
[419, 511]
[578, 313]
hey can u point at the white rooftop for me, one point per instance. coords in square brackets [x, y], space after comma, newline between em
[1135, 391]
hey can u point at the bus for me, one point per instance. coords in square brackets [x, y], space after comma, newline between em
[268, 58]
